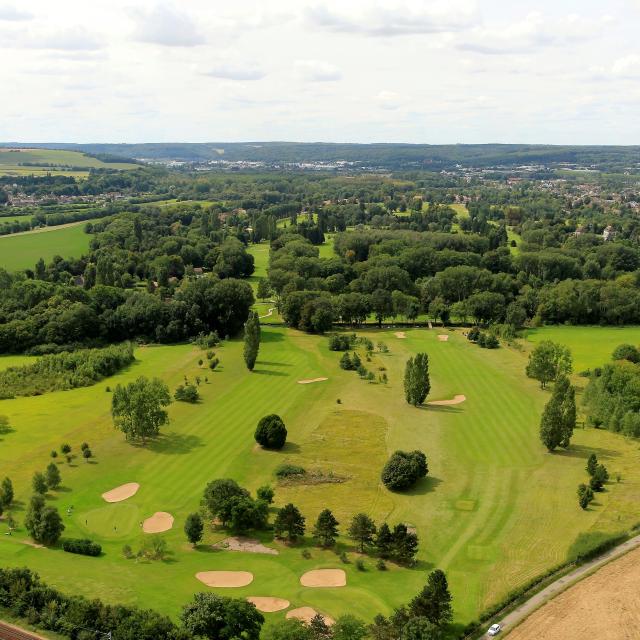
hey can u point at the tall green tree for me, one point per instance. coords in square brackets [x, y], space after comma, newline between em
[251, 340]
[289, 523]
[434, 601]
[362, 529]
[569, 413]
[325, 530]
[592, 464]
[220, 618]
[551, 424]
[416, 379]
[548, 361]
[52, 476]
[193, 528]
[38, 483]
[585, 495]
[384, 541]
[43, 523]
[138, 408]
[6, 493]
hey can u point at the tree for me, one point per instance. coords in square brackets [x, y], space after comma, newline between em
[251, 340]
[434, 601]
[264, 289]
[193, 528]
[43, 523]
[384, 541]
[626, 352]
[592, 463]
[568, 409]
[362, 529]
[289, 523]
[221, 618]
[325, 530]
[404, 544]
[585, 495]
[218, 498]
[416, 379]
[38, 483]
[137, 408]
[52, 476]
[247, 513]
[187, 393]
[599, 477]
[420, 628]
[65, 449]
[291, 629]
[87, 453]
[404, 469]
[266, 493]
[551, 424]
[547, 361]
[6, 493]
[271, 432]
[348, 627]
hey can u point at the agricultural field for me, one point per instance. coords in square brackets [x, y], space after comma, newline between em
[487, 473]
[22, 250]
[43, 161]
[591, 346]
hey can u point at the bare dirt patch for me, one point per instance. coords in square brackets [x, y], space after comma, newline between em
[31, 543]
[312, 380]
[324, 578]
[269, 605]
[447, 403]
[307, 614]
[160, 521]
[248, 545]
[225, 578]
[605, 605]
[400, 334]
[443, 337]
[121, 493]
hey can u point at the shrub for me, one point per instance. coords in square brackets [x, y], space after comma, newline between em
[213, 363]
[344, 558]
[626, 352]
[346, 363]
[289, 470]
[404, 469]
[381, 565]
[82, 546]
[306, 554]
[271, 432]
[187, 393]
[207, 340]
[341, 342]
[474, 334]
[360, 565]
[127, 552]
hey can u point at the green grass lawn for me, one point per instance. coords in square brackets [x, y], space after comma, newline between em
[591, 346]
[512, 235]
[495, 510]
[23, 251]
[12, 161]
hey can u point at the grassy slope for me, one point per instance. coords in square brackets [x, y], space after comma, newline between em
[23, 251]
[488, 473]
[590, 346]
[10, 161]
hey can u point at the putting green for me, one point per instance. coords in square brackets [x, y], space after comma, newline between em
[116, 520]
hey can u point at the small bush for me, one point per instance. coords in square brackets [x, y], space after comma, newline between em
[381, 565]
[289, 470]
[186, 393]
[343, 558]
[127, 552]
[360, 565]
[341, 342]
[208, 340]
[306, 554]
[81, 546]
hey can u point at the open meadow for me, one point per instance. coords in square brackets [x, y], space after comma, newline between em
[488, 474]
[21, 162]
[22, 250]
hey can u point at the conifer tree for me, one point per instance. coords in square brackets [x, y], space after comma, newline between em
[251, 340]
[325, 530]
[551, 424]
[416, 379]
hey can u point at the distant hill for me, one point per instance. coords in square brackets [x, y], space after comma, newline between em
[385, 156]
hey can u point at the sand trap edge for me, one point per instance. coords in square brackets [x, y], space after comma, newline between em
[123, 492]
[225, 579]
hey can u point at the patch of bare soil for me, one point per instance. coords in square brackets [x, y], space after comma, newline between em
[248, 545]
[400, 334]
[443, 337]
[605, 606]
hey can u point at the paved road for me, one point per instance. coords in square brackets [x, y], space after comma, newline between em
[511, 620]
[9, 632]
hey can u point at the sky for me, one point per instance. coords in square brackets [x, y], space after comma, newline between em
[418, 71]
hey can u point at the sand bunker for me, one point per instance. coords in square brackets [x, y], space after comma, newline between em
[400, 334]
[447, 403]
[160, 521]
[443, 337]
[121, 493]
[324, 578]
[225, 578]
[247, 545]
[307, 614]
[312, 380]
[268, 605]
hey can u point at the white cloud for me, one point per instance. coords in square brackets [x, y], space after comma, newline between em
[11, 13]
[166, 25]
[396, 18]
[236, 71]
[317, 71]
[627, 67]
[67, 39]
[534, 32]
[389, 100]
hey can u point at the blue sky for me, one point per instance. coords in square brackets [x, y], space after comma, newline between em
[441, 71]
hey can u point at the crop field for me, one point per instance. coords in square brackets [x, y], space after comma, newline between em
[591, 346]
[487, 473]
[22, 251]
[43, 161]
